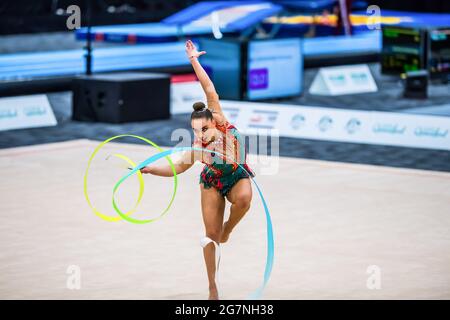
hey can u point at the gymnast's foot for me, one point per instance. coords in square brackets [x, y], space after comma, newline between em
[225, 233]
[213, 293]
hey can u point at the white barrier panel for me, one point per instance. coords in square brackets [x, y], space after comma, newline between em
[344, 125]
[26, 112]
[352, 79]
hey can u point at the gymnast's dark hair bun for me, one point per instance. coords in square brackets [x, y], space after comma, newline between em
[201, 111]
[199, 106]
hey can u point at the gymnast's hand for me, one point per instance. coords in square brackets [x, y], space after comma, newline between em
[147, 169]
[191, 50]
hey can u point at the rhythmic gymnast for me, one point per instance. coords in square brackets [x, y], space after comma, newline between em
[221, 177]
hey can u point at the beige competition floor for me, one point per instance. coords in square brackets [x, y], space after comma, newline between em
[331, 222]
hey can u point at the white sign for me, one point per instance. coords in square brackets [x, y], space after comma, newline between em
[183, 95]
[371, 127]
[26, 112]
[333, 81]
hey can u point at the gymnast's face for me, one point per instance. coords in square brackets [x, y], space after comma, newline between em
[204, 129]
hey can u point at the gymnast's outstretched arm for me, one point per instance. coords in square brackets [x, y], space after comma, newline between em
[212, 98]
[186, 161]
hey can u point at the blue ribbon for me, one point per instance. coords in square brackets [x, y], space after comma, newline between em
[270, 243]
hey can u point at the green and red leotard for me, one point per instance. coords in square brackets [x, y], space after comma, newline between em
[222, 171]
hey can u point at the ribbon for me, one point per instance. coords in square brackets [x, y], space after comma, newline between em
[141, 182]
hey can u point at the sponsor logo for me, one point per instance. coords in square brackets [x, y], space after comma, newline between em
[359, 77]
[388, 128]
[430, 132]
[258, 79]
[325, 123]
[297, 121]
[263, 119]
[34, 111]
[353, 125]
[8, 113]
[337, 80]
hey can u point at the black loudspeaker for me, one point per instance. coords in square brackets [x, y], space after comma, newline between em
[121, 97]
[416, 84]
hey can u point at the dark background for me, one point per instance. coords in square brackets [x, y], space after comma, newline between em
[30, 16]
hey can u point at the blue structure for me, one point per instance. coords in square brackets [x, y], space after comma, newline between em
[70, 62]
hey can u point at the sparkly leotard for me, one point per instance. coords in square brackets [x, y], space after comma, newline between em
[223, 172]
